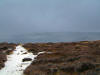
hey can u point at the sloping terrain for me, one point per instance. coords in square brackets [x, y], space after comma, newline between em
[75, 58]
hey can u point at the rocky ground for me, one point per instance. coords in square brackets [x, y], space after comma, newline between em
[5, 49]
[75, 58]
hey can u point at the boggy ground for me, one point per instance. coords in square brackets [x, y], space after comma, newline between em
[75, 58]
[5, 49]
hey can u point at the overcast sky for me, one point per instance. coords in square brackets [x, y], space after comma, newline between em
[27, 16]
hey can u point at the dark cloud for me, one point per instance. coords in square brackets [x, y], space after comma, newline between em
[25, 16]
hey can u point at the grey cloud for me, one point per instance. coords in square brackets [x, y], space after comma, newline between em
[25, 16]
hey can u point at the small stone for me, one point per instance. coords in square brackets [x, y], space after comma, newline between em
[26, 59]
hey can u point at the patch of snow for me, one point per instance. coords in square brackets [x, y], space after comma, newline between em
[14, 64]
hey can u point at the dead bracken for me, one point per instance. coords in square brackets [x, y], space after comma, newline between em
[73, 58]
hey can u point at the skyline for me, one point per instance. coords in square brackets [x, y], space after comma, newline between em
[27, 16]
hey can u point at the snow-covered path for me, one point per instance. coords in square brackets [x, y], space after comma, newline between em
[14, 64]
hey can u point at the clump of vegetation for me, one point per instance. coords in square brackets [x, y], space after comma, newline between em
[75, 58]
